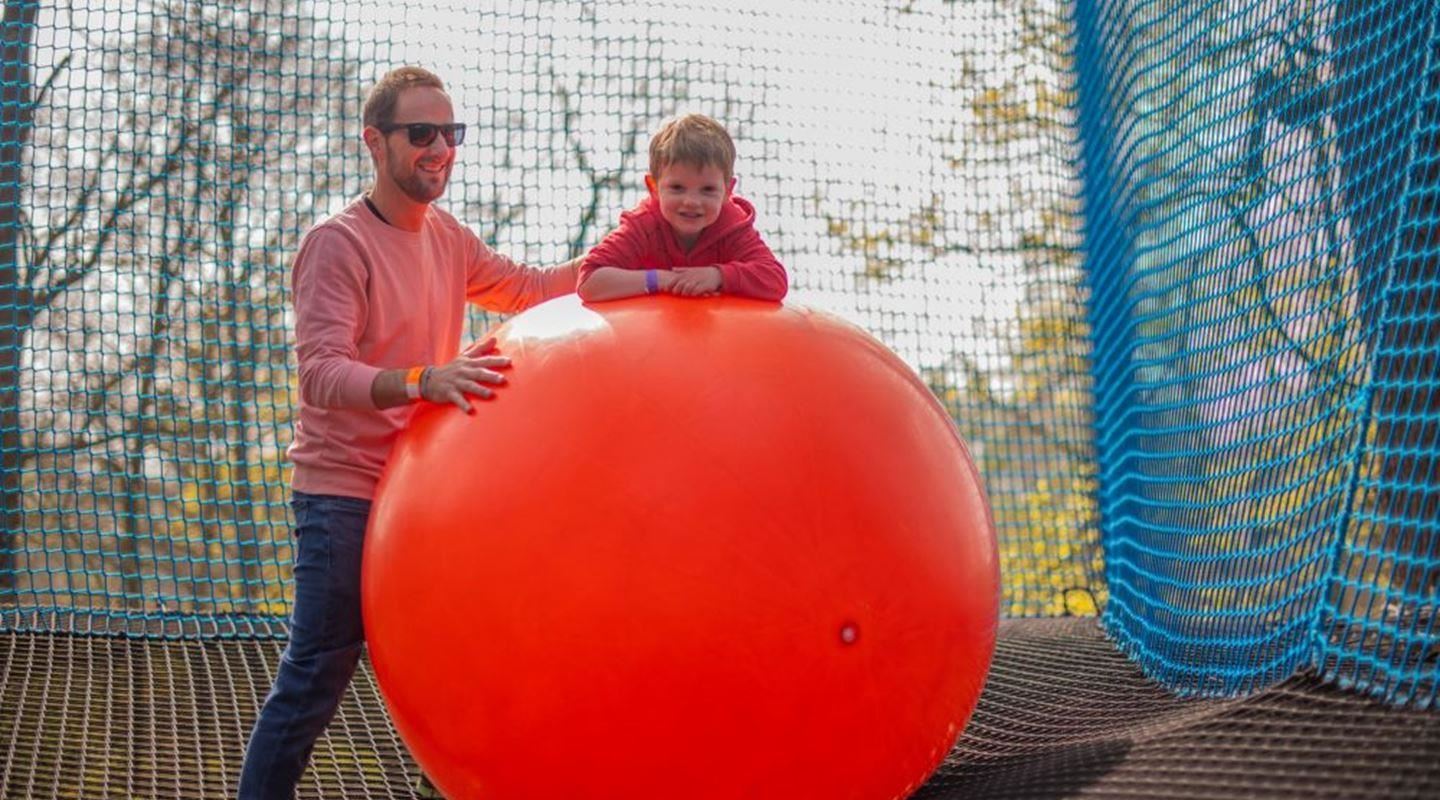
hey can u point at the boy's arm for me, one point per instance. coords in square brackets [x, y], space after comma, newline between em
[613, 283]
[752, 270]
[605, 274]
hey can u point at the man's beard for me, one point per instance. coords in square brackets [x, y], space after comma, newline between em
[418, 189]
[415, 186]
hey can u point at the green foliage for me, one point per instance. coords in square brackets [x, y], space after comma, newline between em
[1019, 391]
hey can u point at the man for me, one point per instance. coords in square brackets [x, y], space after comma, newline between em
[379, 293]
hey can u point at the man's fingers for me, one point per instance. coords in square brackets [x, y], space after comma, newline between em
[490, 362]
[479, 373]
[471, 387]
[480, 348]
[460, 399]
[458, 393]
[487, 376]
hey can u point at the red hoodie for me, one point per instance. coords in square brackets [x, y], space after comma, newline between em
[645, 240]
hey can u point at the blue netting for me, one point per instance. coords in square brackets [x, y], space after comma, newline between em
[1260, 181]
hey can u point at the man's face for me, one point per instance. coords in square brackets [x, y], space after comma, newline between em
[690, 197]
[420, 172]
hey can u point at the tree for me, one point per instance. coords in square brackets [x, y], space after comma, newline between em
[218, 135]
[1003, 216]
[201, 158]
[290, 91]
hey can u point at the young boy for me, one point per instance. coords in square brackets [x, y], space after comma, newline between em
[691, 237]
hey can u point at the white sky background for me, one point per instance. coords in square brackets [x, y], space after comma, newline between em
[832, 104]
[840, 109]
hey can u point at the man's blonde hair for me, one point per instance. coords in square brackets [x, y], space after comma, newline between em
[693, 139]
[385, 94]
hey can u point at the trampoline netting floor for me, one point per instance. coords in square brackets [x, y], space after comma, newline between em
[1063, 715]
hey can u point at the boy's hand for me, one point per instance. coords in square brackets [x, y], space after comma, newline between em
[696, 281]
[467, 374]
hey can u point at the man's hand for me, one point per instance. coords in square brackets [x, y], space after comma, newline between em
[695, 281]
[468, 374]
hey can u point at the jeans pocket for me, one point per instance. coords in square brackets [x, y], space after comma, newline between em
[330, 534]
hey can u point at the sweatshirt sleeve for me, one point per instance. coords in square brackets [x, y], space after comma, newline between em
[328, 282]
[498, 283]
[751, 270]
[621, 248]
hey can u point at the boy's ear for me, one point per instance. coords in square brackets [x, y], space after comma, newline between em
[650, 184]
[729, 190]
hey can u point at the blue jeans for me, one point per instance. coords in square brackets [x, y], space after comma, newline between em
[326, 637]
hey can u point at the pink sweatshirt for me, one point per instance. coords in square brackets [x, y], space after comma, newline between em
[645, 240]
[370, 297]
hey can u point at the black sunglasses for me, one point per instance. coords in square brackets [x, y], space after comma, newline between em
[423, 133]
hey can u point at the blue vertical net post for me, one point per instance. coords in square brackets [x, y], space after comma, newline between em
[17, 32]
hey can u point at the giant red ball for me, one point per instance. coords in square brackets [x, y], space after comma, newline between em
[696, 548]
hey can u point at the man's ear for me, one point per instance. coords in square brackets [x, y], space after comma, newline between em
[374, 142]
[650, 184]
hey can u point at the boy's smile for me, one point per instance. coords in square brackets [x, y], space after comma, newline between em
[690, 198]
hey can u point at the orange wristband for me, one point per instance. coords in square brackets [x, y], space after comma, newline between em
[412, 382]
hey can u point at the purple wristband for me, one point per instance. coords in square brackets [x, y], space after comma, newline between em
[652, 281]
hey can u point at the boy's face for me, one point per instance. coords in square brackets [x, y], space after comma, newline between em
[690, 197]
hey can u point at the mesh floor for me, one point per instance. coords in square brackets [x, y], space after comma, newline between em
[1064, 715]
[97, 717]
